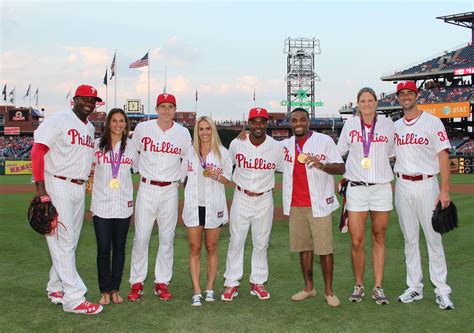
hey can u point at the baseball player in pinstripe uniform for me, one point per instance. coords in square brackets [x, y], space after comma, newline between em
[112, 201]
[161, 144]
[255, 162]
[310, 159]
[62, 158]
[368, 138]
[421, 148]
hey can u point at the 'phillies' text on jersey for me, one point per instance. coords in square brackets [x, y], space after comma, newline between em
[410, 139]
[76, 138]
[165, 147]
[258, 163]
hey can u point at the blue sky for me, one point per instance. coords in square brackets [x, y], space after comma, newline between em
[224, 49]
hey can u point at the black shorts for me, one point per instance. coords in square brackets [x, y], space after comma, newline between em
[202, 216]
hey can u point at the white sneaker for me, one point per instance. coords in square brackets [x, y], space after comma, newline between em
[196, 300]
[410, 295]
[444, 302]
[357, 294]
[210, 296]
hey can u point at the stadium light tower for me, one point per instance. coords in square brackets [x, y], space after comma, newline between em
[300, 75]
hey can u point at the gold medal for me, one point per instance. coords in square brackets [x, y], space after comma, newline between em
[302, 158]
[114, 184]
[366, 163]
[205, 172]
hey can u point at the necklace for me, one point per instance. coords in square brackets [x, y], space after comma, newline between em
[413, 121]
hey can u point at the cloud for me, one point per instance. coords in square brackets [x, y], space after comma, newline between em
[176, 53]
[90, 56]
[180, 84]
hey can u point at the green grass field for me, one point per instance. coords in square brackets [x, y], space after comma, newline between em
[25, 265]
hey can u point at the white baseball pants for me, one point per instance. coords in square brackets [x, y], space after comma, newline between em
[255, 213]
[415, 202]
[69, 200]
[160, 204]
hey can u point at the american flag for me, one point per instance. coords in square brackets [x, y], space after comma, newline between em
[142, 62]
[5, 93]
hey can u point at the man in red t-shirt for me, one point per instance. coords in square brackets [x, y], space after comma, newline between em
[308, 198]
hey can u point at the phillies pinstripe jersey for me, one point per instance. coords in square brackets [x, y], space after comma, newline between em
[70, 142]
[255, 166]
[110, 203]
[216, 203]
[321, 184]
[161, 152]
[381, 149]
[417, 144]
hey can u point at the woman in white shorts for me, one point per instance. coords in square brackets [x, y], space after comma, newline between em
[208, 167]
[368, 139]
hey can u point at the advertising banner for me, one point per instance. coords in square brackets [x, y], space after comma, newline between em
[447, 110]
[18, 168]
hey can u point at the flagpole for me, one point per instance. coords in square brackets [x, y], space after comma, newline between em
[164, 88]
[106, 92]
[149, 104]
[115, 72]
[5, 99]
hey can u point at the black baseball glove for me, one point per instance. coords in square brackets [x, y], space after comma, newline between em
[445, 220]
[42, 215]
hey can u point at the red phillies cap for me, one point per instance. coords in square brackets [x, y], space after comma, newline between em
[410, 85]
[258, 112]
[163, 98]
[87, 91]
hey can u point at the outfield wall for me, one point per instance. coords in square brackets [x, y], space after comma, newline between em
[457, 165]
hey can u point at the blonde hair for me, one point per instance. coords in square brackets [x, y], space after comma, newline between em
[215, 140]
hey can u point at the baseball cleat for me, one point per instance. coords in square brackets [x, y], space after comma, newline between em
[410, 295]
[259, 291]
[444, 302]
[161, 290]
[56, 297]
[136, 292]
[357, 294]
[87, 308]
[379, 296]
[229, 294]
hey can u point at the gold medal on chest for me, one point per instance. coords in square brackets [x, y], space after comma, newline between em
[302, 158]
[366, 163]
[114, 184]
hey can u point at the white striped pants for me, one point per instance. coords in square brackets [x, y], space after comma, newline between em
[69, 200]
[255, 213]
[415, 202]
[160, 204]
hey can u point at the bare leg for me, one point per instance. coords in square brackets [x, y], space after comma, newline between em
[327, 262]
[379, 226]
[212, 237]
[357, 230]
[306, 260]
[195, 241]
